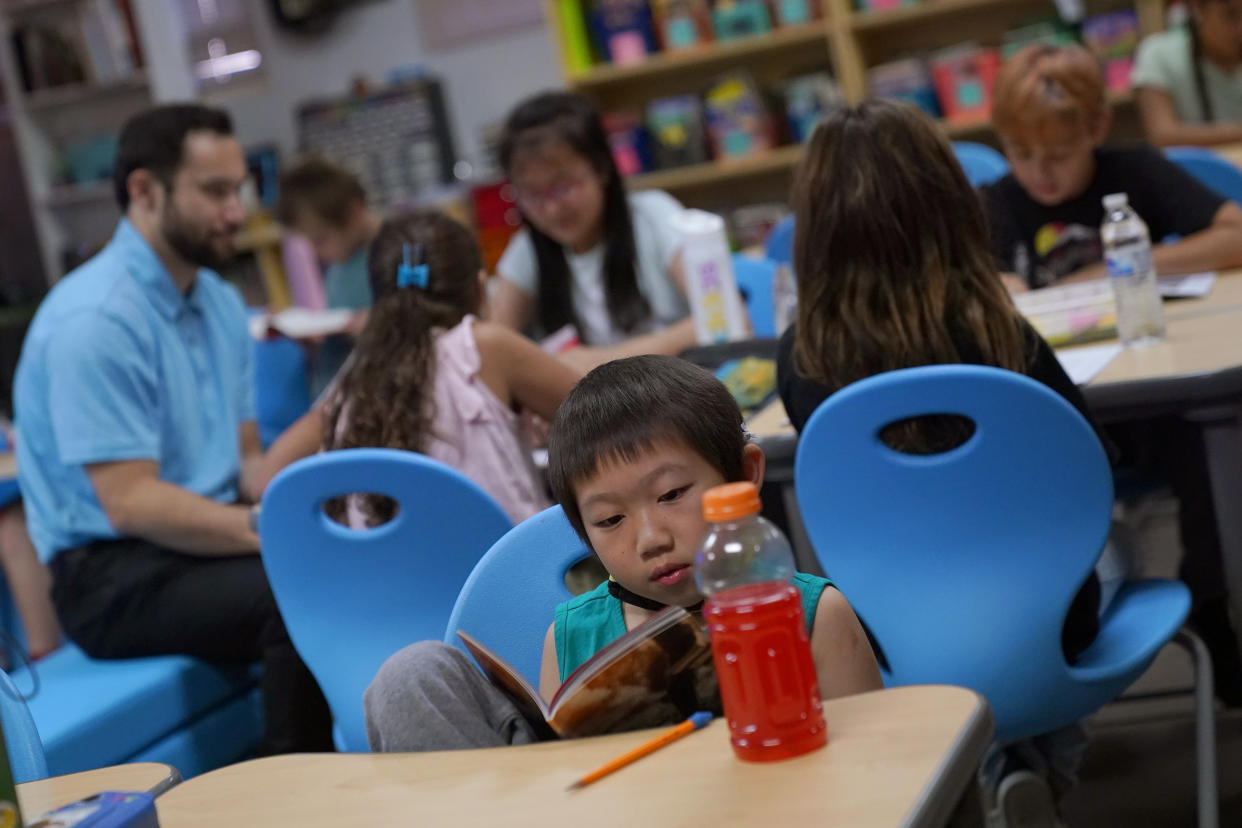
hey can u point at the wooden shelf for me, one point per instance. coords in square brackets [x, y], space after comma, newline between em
[708, 55]
[926, 10]
[79, 195]
[77, 93]
[778, 160]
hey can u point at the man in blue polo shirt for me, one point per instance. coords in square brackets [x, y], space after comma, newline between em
[137, 438]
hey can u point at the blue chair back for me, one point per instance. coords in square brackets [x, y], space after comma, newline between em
[21, 737]
[352, 598]
[755, 278]
[982, 164]
[963, 563]
[508, 599]
[282, 386]
[1213, 171]
[779, 246]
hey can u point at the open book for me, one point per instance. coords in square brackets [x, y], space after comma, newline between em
[300, 323]
[657, 673]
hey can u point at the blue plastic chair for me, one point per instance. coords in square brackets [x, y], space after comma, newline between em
[508, 600]
[352, 598]
[755, 278]
[21, 737]
[965, 563]
[1214, 172]
[981, 163]
[779, 246]
[282, 386]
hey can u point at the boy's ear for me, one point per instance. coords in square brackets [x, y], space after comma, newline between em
[754, 464]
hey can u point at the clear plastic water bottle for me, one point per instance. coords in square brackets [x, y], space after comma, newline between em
[1127, 252]
[784, 298]
[760, 644]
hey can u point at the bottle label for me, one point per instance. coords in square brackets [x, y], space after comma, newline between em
[1129, 261]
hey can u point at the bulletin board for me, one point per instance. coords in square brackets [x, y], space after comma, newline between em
[449, 23]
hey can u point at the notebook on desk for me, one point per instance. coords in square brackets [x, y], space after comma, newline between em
[1071, 314]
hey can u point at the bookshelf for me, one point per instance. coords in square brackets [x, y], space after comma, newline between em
[63, 115]
[849, 41]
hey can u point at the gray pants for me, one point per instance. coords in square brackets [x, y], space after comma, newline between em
[430, 696]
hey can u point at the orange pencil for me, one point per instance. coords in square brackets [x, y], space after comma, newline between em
[674, 733]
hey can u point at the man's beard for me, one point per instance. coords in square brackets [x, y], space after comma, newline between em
[191, 243]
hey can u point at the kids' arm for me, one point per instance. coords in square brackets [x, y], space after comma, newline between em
[302, 439]
[844, 662]
[531, 378]
[1216, 247]
[509, 305]
[1165, 129]
[549, 670]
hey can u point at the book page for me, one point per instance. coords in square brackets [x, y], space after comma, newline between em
[508, 680]
[656, 674]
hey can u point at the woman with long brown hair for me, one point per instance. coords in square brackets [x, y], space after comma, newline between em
[427, 376]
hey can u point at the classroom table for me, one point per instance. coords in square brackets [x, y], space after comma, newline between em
[1232, 153]
[1195, 373]
[42, 795]
[894, 757]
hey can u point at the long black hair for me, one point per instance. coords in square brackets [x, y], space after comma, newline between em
[572, 120]
[1196, 63]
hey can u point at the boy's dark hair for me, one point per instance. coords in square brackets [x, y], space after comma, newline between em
[154, 140]
[624, 407]
[320, 187]
[564, 117]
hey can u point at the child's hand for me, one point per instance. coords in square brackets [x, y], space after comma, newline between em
[534, 429]
[1014, 283]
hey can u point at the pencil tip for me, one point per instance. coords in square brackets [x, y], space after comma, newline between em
[575, 786]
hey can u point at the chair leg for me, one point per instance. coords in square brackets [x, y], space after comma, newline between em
[1205, 727]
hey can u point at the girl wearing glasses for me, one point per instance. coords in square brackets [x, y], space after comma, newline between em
[589, 254]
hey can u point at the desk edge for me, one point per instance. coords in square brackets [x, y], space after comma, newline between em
[941, 794]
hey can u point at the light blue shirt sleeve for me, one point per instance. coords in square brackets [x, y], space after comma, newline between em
[246, 407]
[103, 398]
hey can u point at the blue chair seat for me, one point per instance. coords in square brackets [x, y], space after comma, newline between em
[93, 713]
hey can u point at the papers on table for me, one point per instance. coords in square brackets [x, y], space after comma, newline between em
[1187, 285]
[300, 323]
[1082, 364]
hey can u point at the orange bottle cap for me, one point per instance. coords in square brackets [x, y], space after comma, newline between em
[730, 501]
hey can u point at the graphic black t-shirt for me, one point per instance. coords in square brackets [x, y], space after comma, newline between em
[1044, 244]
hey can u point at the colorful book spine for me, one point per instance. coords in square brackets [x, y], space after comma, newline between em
[575, 41]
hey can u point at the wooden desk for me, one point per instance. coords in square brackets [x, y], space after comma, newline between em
[894, 757]
[39, 797]
[1232, 152]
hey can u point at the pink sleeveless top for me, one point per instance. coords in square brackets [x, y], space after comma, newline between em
[473, 431]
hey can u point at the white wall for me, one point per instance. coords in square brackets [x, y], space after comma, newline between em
[481, 81]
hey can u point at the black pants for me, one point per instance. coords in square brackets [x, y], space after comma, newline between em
[1172, 449]
[129, 598]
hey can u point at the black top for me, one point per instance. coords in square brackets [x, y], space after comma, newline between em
[1043, 244]
[802, 396]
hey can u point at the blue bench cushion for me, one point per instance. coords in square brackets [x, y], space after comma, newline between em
[92, 713]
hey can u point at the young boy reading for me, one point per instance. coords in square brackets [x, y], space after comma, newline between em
[632, 449]
[1052, 117]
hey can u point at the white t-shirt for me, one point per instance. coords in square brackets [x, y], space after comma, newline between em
[656, 243]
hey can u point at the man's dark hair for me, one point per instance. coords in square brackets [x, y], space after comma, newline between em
[155, 139]
[625, 407]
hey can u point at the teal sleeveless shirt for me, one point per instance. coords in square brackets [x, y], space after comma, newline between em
[586, 624]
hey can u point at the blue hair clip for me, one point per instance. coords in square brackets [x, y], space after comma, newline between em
[410, 275]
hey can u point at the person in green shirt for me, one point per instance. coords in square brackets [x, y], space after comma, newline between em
[324, 202]
[1189, 79]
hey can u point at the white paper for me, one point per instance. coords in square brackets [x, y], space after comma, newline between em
[301, 323]
[1187, 286]
[1083, 364]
